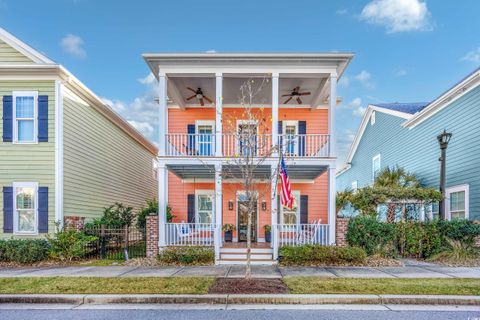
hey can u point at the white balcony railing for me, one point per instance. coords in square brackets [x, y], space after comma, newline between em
[190, 234]
[300, 234]
[203, 145]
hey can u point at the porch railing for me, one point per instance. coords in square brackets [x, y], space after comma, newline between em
[186, 144]
[190, 234]
[305, 145]
[300, 234]
[259, 145]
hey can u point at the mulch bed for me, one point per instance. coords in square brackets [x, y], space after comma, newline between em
[251, 286]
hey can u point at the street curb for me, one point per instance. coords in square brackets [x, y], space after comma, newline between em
[239, 299]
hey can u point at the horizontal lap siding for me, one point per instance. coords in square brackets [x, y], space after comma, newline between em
[417, 149]
[102, 164]
[9, 55]
[32, 162]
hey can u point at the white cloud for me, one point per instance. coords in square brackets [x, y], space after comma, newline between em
[211, 51]
[356, 106]
[365, 78]
[400, 72]
[472, 56]
[73, 45]
[342, 11]
[344, 81]
[344, 140]
[149, 79]
[398, 15]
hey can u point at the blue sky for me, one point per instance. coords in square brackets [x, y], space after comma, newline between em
[406, 50]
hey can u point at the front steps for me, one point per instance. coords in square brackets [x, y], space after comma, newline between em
[259, 256]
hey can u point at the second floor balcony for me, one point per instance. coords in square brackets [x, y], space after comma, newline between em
[259, 145]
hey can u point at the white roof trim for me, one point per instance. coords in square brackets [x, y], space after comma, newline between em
[363, 126]
[24, 48]
[445, 99]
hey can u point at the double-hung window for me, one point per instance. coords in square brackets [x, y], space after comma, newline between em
[25, 216]
[25, 110]
[376, 165]
[205, 137]
[204, 206]
[457, 204]
[291, 216]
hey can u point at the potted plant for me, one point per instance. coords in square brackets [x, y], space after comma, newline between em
[228, 231]
[268, 232]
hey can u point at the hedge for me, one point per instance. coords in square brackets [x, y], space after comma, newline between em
[24, 250]
[322, 255]
[187, 255]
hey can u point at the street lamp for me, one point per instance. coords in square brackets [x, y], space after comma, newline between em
[443, 140]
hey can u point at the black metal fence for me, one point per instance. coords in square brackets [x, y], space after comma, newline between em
[115, 243]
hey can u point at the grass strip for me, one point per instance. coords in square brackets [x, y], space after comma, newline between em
[317, 285]
[96, 285]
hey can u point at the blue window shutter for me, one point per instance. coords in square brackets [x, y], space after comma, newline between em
[191, 139]
[303, 209]
[7, 119]
[43, 209]
[191, 208]
[42, 118]
[280, 132]
[8, 209]
[302, 131]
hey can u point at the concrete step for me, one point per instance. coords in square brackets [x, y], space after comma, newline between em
[267, 262]
[243, 256]
[244, 250]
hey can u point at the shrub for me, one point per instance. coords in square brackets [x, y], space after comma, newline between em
[69, 244]
[187, 255]
[151, 208]
[373, 236]
[116, 215]
[459, 229]
[23, 250]
[457, 253]
[322, 255]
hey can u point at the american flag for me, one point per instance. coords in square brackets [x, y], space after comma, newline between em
[287, 198]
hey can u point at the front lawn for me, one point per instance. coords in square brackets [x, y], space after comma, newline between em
[316, 285]
[96, 285]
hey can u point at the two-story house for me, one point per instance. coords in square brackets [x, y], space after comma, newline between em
[405, 134]
[200, 130]
[63, 152]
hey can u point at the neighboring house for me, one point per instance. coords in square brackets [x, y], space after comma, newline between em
[405, 134]
[63, 152]
[198, 137]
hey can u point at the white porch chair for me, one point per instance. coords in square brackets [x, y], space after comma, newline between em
[308, 236]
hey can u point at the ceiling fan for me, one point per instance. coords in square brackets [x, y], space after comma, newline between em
[295, 94]
[199, 95]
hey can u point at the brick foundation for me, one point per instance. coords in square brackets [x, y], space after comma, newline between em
[74, 222]
[341, 231]
[152, 236]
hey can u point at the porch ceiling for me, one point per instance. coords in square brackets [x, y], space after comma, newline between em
[201, 171]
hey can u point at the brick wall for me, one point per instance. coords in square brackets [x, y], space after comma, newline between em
[341, 231]
[74, 222]
[152, 236]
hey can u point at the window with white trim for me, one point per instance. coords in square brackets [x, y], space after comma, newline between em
[25, 123]
[155, 169]
[25, 214]
[205, 137]
[376, 166]
[290, 129]
[372, 118]
[457, 205]
[291, 215]
[204, 206]
[354, 185]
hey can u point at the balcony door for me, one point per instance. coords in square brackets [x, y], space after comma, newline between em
[247, 134]
[290, 129]
[242, 218]
[205, 131]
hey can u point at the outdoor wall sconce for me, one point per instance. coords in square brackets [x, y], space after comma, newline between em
[264, 205]
[230, 205]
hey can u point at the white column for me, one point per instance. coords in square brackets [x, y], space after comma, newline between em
[163, 113]
[218, 114]
[331, 114]
[218, 210]
[162, 203]
[275, 109]
[332, 214]
[59, 152]
[274, 209]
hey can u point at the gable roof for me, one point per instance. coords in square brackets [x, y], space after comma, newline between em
[414, 113]
[44, 66]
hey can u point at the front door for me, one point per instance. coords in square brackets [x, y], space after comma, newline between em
[242, 213]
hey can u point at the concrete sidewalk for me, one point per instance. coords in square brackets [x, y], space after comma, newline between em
[238, 271]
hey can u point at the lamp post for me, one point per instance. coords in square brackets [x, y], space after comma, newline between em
[443, 140]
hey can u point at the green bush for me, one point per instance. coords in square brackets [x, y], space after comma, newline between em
[116, 216]
[187, 255]
[322, 255]
[373, 236]
[23, 250]
[151, 208]
[69, 244]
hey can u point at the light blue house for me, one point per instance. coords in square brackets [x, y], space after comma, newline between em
[405, 134]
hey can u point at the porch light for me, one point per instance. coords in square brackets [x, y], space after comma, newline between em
[230, 205]
[444, 139]
[264, 205]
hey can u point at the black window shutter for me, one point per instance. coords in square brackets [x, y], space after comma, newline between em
[191, 139]
[8, 209]
[191, 208]
[43, 209]
[7, 119]
[279, 209]
[302, 131]
[42, 118]
[304, 209]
